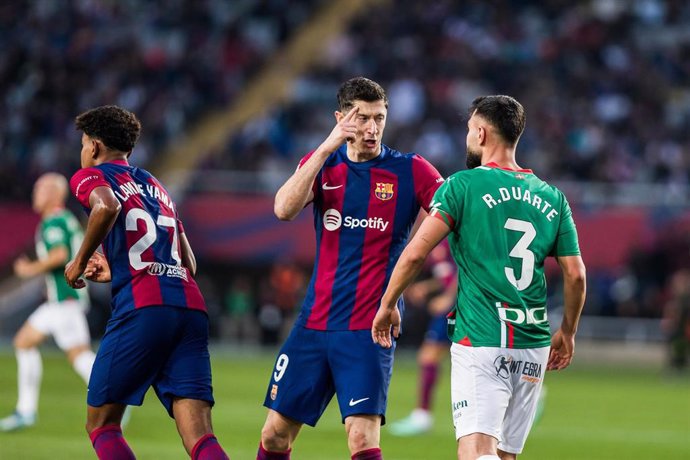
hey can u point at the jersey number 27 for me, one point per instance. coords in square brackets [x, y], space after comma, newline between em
[132, 218]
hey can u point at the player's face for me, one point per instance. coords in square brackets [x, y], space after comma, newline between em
[88, 147]
[474, 151]
[41, 195]
[370, 121]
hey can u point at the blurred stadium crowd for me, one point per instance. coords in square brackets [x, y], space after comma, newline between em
[606, 84]
[169, 62]
[605, 81]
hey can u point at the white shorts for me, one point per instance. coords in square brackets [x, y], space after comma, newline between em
[65, 321]
[495, 391]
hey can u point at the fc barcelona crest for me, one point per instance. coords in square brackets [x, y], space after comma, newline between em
[384, 191]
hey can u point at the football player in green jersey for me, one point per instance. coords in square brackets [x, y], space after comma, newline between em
[502, 222]
[63, 315]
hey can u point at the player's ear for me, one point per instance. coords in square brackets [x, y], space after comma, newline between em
[481, 135]
[96, 149]
[338, 116]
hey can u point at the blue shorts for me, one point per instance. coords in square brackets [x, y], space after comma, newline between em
[314, 365]
[161, 346]
[437, 330]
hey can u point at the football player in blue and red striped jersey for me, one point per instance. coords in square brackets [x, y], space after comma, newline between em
[158, 333]
[366, 197]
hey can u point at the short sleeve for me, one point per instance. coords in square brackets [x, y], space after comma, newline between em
[84, 181]
[314, 187]
[426, 181]
[566, 242]
[447, 202]
[53, 235]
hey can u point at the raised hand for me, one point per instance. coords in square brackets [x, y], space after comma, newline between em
[345, 129]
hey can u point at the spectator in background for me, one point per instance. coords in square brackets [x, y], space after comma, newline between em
[239, 322]
[283, 291]
[676, 321]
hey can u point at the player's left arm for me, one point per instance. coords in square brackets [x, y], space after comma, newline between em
[105, 208]
[26, 268]
[410, 263]
[188, 259]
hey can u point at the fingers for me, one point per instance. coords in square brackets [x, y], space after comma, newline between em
[381, 336]
[351, 114]
[558, 361]
[347, 125]
[396, 331]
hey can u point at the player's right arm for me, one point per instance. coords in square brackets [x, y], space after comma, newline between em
[57, 257]
[574, 290]
[408, 266]
[105, 208]
[297, 191]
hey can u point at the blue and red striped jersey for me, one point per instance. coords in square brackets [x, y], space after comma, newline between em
[143, 247]
[363, 214]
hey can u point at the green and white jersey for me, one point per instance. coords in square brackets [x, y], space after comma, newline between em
[60, 229]
[504, 224]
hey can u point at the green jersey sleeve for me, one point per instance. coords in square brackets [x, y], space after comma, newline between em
[566, 241]
[448, 202]
[54, 234]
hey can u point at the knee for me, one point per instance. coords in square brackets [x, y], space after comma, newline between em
[20, 343]
[91, 426]
[275, 439]
[359, 439]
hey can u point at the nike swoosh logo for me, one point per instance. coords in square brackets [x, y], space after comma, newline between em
[331, 187]
[354, 403]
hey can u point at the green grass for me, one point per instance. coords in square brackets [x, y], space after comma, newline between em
[591, 414]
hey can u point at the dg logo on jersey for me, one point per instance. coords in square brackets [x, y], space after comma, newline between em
[384, 191]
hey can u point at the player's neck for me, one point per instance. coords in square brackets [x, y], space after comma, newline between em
[357, 156]
[503, 158]
[52, 210]
[112, 156]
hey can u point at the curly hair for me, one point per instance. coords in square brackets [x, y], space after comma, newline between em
[505, 113]
[116, 127]
[360, 89]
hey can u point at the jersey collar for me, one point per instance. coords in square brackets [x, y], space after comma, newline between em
[119, 162]
[496, 165]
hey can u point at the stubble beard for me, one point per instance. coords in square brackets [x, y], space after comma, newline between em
[473, 160]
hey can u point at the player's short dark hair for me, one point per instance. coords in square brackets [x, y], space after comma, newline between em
[360, 89]
[503, 112]
[116, 127]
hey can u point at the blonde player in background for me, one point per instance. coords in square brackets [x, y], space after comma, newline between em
[63, 315]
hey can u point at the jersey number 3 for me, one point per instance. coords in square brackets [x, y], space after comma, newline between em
[132, 218]
[521, 251]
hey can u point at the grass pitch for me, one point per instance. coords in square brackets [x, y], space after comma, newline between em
[592, 413]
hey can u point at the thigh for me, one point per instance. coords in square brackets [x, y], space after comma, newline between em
[43, 318]
[187, 370]
[133, 351]
[301, 384]
[70, 329]
[479, 392]
[527, 384]
[362, 373]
